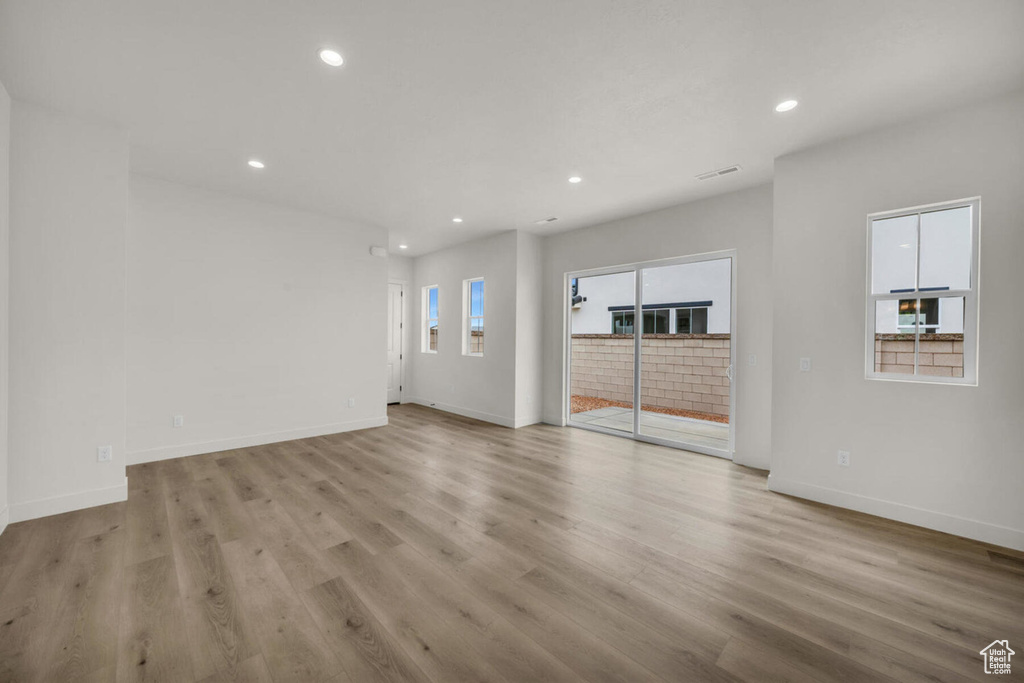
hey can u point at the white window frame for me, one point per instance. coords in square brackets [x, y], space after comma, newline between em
[970, 296]
[467, 318]
[426, 319]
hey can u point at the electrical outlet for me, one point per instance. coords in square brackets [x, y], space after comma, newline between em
[843, 459]
[752, 359]
[351, 403]
[104, 453]
[805, 365]
[178, 421]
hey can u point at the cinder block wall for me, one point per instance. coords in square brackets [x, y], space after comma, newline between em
[682, 371]
[942, 355]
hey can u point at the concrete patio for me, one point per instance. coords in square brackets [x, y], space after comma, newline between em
[682, 429]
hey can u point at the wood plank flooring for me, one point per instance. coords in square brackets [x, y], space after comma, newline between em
[443, 549]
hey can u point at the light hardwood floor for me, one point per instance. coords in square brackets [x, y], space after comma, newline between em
[443, 549]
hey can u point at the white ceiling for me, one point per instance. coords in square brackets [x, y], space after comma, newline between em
[483, 108]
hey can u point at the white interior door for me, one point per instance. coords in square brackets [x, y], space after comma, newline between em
[395, 325]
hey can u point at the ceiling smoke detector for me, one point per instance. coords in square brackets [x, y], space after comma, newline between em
[720, 172]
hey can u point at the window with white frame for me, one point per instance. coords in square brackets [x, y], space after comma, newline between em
[430, 319]
[473, 317]
[922, 304]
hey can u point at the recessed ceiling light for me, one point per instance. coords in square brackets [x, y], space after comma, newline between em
[575, 179]
[331, 57]
[256, 163]
[786, 106]
[456, 220]
[403, 246]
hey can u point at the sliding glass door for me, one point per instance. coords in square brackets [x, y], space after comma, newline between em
[651, 351]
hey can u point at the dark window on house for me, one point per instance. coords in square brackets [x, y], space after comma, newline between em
[655, 322]
[691, 321]
[622, 322]
[910, 309]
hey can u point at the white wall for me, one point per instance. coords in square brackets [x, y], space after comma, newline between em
[946, 457]
[69, 183]
[399, 268]
[5, 150]
[529, 329]
[255, 322]
[703, 281]
[739, 220]
[480, 387]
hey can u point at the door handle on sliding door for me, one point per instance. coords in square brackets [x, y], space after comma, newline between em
[728, 372]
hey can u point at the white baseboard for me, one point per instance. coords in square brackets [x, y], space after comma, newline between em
[755, 463]
[55, 505]
[183, 450]
[527, 421]
[929, 519]
[5, 518]
[466, 412]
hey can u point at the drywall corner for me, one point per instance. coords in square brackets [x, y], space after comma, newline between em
[529, 328]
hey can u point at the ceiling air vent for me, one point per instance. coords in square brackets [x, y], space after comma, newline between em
[549, 219]
[714, 174]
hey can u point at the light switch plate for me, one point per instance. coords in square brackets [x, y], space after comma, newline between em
[805, 365]
[178, 421]
[104, 453]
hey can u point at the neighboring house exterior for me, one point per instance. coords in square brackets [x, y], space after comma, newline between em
[692, 298]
